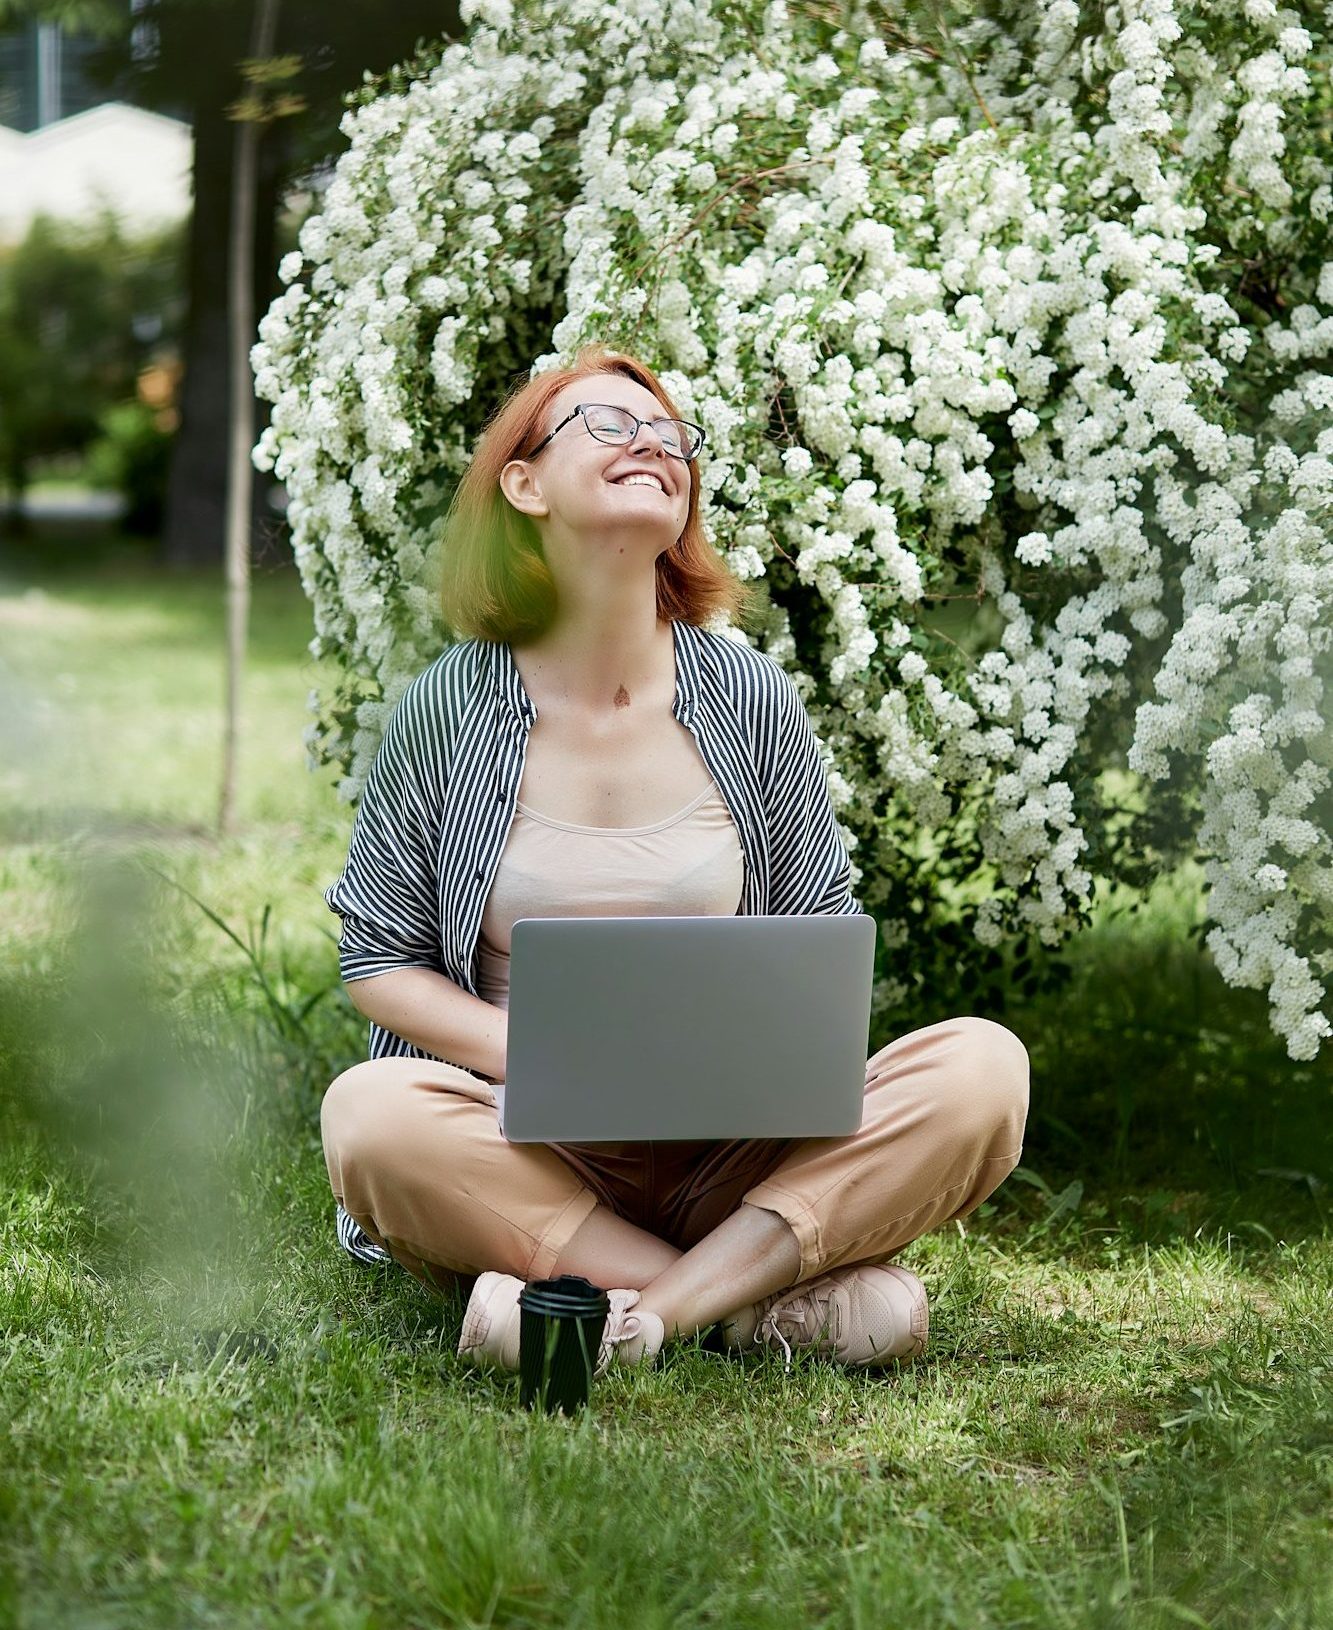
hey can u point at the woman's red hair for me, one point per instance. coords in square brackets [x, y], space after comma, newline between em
[495, 584]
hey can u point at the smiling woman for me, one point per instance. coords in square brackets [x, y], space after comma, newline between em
[667, 770]
[606, 501]
[574, 539]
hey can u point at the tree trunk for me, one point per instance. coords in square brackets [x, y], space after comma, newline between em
[13, 517]
[197, 482]
[241, 415]
[195, 521]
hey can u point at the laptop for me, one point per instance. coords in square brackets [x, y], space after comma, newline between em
[660, 1028]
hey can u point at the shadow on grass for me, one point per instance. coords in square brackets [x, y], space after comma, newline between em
[1166, 1096]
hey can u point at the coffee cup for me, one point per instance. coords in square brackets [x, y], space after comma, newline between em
[561, 1322]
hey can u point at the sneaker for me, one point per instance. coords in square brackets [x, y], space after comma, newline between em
[860, 1317]
[632, 1335]
[490, 1335]
[491, 1322]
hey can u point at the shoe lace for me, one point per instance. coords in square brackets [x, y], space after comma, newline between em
[622, 1324]
[805, 1316]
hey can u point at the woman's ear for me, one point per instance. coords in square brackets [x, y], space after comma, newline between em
[520, 485]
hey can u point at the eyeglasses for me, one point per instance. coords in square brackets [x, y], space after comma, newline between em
[619, 427]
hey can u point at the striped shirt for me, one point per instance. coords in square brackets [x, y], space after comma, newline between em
[437, 805]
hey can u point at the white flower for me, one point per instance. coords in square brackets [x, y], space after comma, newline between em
[1033, 549]
[939, 362]
[1294, 43]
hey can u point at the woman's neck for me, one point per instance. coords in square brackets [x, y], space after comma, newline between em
[593, 678]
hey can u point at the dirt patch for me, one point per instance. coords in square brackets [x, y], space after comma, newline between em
[1113, 1418]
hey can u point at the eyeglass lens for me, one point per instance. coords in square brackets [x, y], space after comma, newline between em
[615, 424]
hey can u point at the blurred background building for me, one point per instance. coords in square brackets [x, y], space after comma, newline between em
[69, 147]
[106, 157]
[44, 75]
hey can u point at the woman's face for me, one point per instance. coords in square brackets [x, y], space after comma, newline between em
[634, 493]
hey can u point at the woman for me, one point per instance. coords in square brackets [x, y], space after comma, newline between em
[590, 749]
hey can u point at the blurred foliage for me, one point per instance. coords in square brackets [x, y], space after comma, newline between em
[84, 311]
[100, 18]
[125, 1082]
[131, 456]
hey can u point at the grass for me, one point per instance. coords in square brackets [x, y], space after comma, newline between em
[1124, 1416]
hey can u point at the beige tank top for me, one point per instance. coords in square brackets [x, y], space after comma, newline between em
[690, 865]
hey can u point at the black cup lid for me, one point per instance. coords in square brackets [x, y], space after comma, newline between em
[569, 1295]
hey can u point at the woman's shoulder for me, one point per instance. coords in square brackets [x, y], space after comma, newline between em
[749, 677]
[424, 722]
[446, 683]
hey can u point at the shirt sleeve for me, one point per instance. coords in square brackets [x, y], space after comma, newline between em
[809, 866]
[388, 892]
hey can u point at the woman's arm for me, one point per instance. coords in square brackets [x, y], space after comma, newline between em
[429, 1010]
[390, 953]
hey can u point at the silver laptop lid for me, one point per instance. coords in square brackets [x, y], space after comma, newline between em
[628, 1028]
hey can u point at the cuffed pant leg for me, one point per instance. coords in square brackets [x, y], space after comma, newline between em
[945, 1111]
[416, 1156]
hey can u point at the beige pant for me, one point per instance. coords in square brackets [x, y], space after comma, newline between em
[415, 1154]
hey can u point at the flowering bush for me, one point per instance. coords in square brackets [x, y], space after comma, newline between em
[1032, 313]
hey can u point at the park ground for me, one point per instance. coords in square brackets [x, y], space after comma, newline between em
[1124, 1417]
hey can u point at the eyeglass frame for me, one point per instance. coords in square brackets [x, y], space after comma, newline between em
[639, 424]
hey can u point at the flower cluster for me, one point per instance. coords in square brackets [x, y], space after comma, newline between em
[1038, 334]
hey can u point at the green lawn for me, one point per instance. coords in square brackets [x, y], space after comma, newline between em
[1124, 1416]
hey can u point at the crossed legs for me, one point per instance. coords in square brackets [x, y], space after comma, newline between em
[750, 1254]
[414, 1154]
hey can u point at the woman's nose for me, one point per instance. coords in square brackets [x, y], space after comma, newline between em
[648, 440]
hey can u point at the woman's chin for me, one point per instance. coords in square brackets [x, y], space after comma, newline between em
[650, 531]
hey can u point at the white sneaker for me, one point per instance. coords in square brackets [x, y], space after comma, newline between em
[861, 1317]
